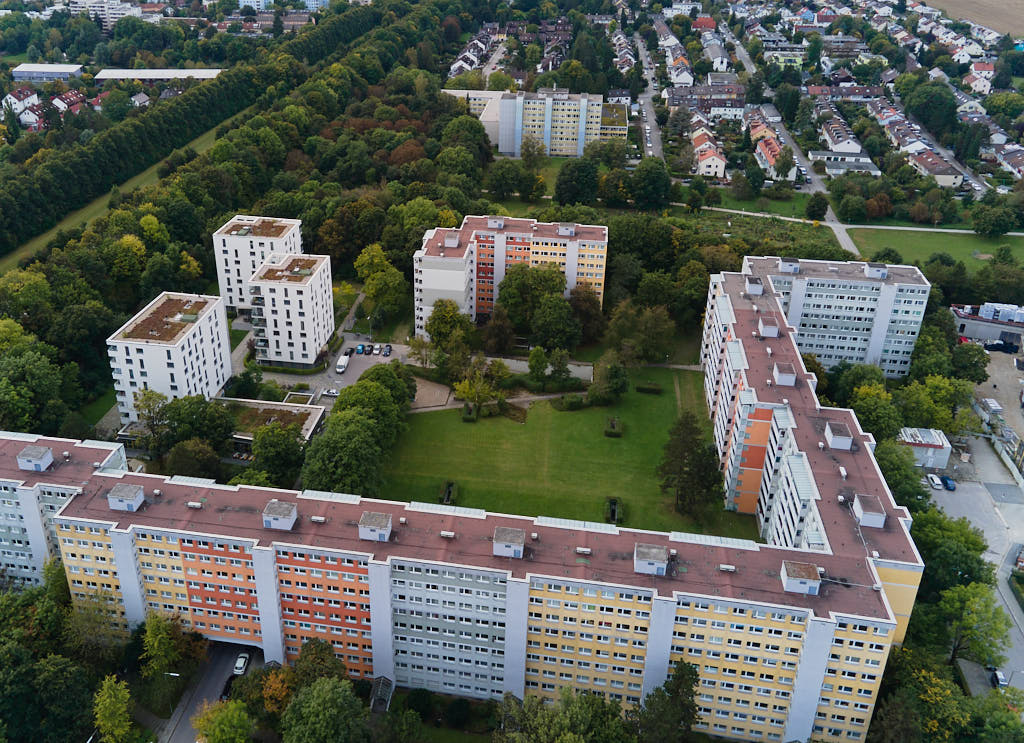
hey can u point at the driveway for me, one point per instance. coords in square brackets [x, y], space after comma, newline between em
[993, 503]
[206, 687]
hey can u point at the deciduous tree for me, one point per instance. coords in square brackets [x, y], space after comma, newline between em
[224, 722]
[326, 710]
[689, 467]
[112, 710]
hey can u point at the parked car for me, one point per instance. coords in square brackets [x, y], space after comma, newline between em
[387, 350]
[948, 482]
[377, 348]
[342, 364]
[360, 349]
[350, 350]
[998, 679]
[225, 693]
[330, 392]
[241, 664]
[935, 482]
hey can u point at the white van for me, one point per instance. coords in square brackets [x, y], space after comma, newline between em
[342, 364]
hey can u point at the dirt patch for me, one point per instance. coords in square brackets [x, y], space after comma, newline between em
[430, 394]
[1006, 16]
[983, 256]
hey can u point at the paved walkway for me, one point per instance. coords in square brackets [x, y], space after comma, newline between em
[454, 404]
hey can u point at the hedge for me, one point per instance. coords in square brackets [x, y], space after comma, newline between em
[614, 428]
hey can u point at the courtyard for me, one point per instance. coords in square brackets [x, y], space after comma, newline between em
[559, 463]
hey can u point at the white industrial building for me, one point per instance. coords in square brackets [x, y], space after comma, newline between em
[177, 345]
[292, 308]
[864, 313]
[930, 446]
[242, 244]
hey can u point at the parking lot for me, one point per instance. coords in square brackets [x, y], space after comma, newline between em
[987, 496]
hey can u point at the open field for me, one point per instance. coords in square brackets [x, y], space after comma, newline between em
[1006, 16]
[918, 246]
[558, 463]
[14, 59]
[795, 207]
[98, 206]
[95, 410]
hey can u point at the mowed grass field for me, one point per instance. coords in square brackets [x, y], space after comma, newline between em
[559, 463]
[918, 246]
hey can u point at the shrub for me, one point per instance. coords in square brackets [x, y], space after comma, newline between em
[421, 701]
[613, 429]
[301, 387]
[449, 493]
[573, 402]
[470, 413]
[614, 510]
[457, 714]
[648, 388]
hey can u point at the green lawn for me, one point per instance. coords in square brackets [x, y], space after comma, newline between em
[14, 59]
[95, 410]
[550, 170]
[237, 336]
[917, 246]
[98, 206]
[793, 208]
[558, 463]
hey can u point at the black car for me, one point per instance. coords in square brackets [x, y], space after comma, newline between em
[350, 350]
[387, 350]
[226, 691]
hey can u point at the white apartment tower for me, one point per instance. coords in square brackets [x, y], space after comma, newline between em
[292, 304]
[242, 244]
[177, 345]
[864, 313]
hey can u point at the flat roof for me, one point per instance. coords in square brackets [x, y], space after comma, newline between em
[74, 471]
[167, 319]
[39, 67]
[847, 541]
[243, 225]
[293, 269]
[234, 514]
[157, 74]
[471, 225]
[802, 570]
[817, 269]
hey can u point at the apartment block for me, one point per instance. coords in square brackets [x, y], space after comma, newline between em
[292, 308]
[38, 480]
[109, 12]
[466, 264]
[177, 345]
[864, 313]
[564, 122]
[241, 246]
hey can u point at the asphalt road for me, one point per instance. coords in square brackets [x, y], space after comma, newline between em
[210, 681]
[646, 101]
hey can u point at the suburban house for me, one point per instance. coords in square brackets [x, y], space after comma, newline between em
[19, 99]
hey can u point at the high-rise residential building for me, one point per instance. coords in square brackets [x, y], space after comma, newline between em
[177, 345]
[109, 12]
[292, 303]
[864, 313]
[565, 123]
[242, 244]
[466, 264]
[38, 479]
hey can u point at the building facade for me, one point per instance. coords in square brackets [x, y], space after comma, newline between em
[177, 345]
[292, 302]
[466, 264]
[790, 643]
[43, 73]
[864, 313]
[565, 123]
[242, 244]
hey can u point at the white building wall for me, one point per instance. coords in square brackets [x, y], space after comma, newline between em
[296, 319]
[264, 567]
[810, 675]
[379, 582]
[198, 363]
[122, 544]
[238, 256]
[518, 603]
[659, 643]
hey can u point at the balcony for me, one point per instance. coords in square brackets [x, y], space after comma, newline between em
[254, 290]
[260, 332]
[259, 320]
[262, 343]
[258, 301]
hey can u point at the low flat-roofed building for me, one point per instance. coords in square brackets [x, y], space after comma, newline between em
[930, 446]
[157, 75]
[42, 73]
